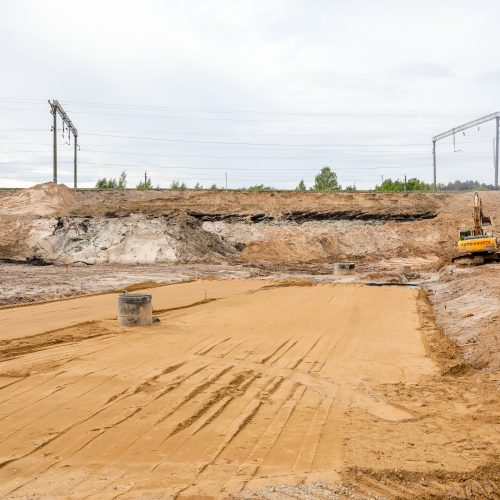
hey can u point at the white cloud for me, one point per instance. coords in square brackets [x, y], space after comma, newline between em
[430, 65]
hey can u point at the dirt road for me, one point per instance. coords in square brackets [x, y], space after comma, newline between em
[266, 385]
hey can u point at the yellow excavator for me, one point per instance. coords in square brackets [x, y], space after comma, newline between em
[477, 246]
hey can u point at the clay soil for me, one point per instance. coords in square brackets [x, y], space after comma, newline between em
[245, 388]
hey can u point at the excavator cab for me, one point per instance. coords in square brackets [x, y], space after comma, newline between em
[463, 233]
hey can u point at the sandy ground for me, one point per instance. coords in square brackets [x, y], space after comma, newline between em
[21, 283]
[244, 388]
[18, 322]
[288, 381]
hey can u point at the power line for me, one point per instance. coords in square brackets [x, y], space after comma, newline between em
[246, 169]
[392, 114]
[333, 155]
[341, 155]
[24, 130]
[149, 165]
[256, 143]
[115, 133]
[225, 118]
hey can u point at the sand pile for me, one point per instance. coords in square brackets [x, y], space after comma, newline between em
[314, 242]
[134, 239]
[42, 200]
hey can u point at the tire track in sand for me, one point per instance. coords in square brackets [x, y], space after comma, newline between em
[88, 430]
[175, 439]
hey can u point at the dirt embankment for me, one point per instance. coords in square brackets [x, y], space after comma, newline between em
[56, 224]
[467, 307]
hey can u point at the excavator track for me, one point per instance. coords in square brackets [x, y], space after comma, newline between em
[476, 260]
[468, 260]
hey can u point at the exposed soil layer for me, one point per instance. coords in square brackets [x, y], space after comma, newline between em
[259, 204]
[309, 216]
[51, 223]
[328, 388]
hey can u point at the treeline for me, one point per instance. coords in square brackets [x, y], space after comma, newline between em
[415, 184]
[325, 181]
[466, 186]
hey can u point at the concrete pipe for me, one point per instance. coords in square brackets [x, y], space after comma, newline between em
[135, 309]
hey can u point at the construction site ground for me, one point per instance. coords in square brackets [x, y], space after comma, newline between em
[269, 374]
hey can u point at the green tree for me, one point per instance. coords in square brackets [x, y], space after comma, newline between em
[145, 184]
[466, 186]
[214, 187]
[390, 186]
[104, 183]
[326, 180]
[301, 186]
[415, 184]
[177, 185]
[350, 189]
[398, 186]
[112, 183]
[198, 186]
[260, 187]
[122, 180]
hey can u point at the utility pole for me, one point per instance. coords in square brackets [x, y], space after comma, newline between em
[496, 151]
[145, 178]
[434, 162]
[54, 147]
[55, 109]
[405, 184]
[74, 163]
[461, 128]
[225, 174]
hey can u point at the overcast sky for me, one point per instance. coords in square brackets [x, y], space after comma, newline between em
[267, 91]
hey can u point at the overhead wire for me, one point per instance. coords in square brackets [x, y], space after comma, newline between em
[376, 114]
[226, 145]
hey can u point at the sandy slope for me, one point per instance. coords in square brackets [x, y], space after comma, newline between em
[467, 305]
[263, 386]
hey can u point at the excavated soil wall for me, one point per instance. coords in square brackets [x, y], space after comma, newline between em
[51, 223]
